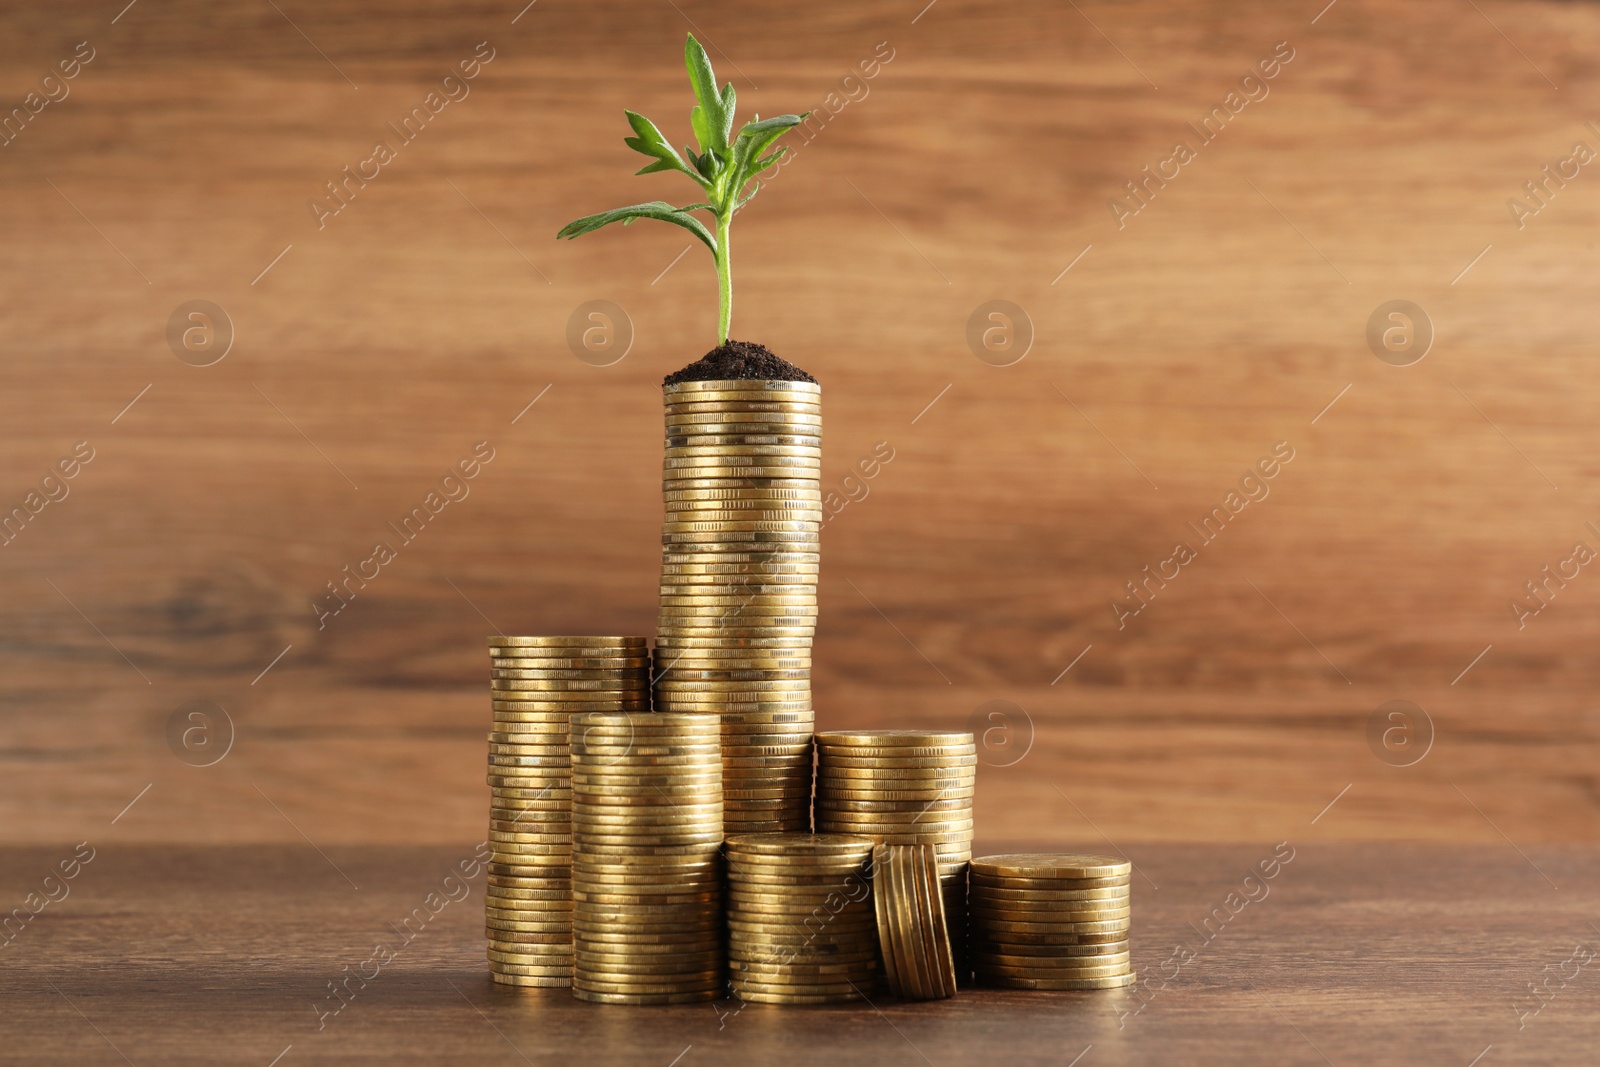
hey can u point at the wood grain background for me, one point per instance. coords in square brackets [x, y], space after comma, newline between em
[1177, 350]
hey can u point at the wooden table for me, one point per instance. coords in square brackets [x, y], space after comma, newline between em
[1351, 954]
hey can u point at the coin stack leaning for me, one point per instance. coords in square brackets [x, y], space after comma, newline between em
[801, 928]
[905, 787]
[537, 683]
[646, 858]
[1051, 921]
[911, 923]
[738, 584]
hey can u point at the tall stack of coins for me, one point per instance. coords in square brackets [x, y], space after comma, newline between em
[1052, 922]
[647, 833]
[905, 787]
[738, 584]
[911, 923]
[801, 928]
[536, 685]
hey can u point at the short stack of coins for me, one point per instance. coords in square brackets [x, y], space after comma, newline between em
[647, 924]
[905, 787]
[801, 926]
[537, 683]
[738, 584]
[911, 925]
[1042, 921]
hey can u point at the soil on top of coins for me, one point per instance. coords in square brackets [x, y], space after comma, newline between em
[739, 360]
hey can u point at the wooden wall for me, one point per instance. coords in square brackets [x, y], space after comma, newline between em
[977, 164]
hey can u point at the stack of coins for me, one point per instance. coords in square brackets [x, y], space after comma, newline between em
[1051, 922]
[646, 858]
[738, 584]
[801, 928]
[911, 924]
[537, 683]
[905, 787]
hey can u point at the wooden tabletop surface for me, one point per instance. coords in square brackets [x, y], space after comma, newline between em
[1347, 954]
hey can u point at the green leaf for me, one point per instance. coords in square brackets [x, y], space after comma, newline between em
[754, 139]
[656, 209]
[712, 117]
[766, 161]
[650, 142]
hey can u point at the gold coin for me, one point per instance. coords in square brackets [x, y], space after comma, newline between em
[1011, 941]
[802, 848]
[553, 711]
[880, 738]
[774, 565]
[1097, 911]
[948, 819]
[696, 405]
[527, 982]
[600, 948]
[991, 882]
[531, 896]
[865, 778]
[782, 972]
[690, 661]
[527, 746]
[779, 418]
[1053, 966]
[806, 495]
[1042, 865]
[750, 989]
[646, 820]
[618, 936]
[766, 478]
[785, 461]
[832, 758]
[931, 808]
[592, 877]
[747, 599]
[651, 721]
[741, 433]
[577, 679]
[984, 947]
[758, 437]
[680, 512]
[550, 974]
[519, 877]
[526, 956]
[988, 895]
[528, 911]
[1064, 984]
[644, 1000]
[527, 926]
[1069, 974]
[835, 799]
[904, 752]
[621, 943]
[542, 970]
[643, 972]
[739, 642]
[704, 988]
[760, 997]
[742, 669]
[556, 786]
[557, 642]
[567, 659]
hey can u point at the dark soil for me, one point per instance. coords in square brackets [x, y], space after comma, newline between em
[739, 360]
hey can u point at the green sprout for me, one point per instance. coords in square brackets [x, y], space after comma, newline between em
[722, 169]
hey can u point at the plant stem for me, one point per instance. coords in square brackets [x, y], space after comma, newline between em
[724, 278]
